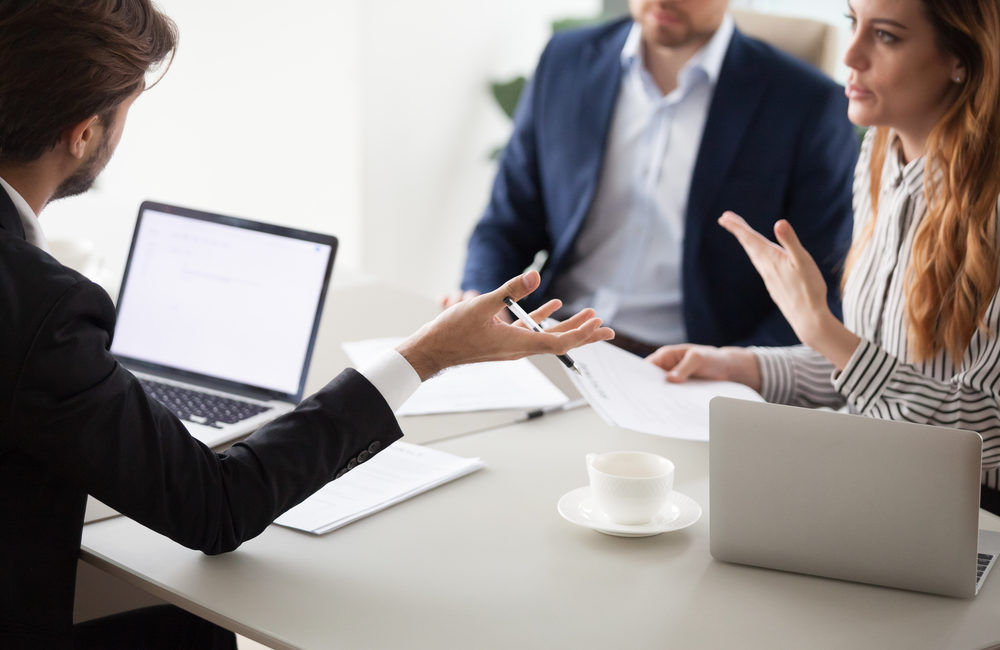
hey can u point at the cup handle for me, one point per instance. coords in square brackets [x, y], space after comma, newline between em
[590, 459]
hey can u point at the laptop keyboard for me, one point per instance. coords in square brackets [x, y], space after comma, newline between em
[202, 408]
[982, 563]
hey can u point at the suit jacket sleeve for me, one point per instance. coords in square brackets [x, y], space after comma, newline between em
[818, 203]
[513, 227]
[77, 411]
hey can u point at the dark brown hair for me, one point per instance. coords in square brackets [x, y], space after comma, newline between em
[62, 61]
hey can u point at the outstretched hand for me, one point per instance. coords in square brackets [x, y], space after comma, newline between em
[792, 277]
[473, 330]
[796, 285]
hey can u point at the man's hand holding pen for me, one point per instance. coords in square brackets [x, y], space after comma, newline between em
[472, 331]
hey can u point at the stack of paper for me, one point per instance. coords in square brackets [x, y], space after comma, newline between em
[632, 393]
[397, 473]
[475, 387]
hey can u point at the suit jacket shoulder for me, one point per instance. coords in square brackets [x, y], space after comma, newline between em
[610, 34]
[31, 284]
[73, 421]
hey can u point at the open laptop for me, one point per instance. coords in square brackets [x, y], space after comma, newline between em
[217, 316]
[843, 496]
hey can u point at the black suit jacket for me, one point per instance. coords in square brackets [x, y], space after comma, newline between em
[777, 145]
[73, 421]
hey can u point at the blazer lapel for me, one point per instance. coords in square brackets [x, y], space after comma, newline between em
[738, 91]
[10, 220]
[600, 74]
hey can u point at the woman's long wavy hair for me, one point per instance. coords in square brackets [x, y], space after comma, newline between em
[954, 270]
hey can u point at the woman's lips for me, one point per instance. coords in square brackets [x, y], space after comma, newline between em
[854, 91]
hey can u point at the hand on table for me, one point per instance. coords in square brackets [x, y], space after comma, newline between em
[690, 361]
[475, 330]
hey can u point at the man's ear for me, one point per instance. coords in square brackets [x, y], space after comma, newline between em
[80, 137]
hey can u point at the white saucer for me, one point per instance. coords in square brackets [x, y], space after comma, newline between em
[578, 507]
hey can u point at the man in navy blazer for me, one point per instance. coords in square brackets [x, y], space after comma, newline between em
[775, 144]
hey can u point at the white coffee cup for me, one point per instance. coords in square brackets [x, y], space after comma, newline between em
[630, 487]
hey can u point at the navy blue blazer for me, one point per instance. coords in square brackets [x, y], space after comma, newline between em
[777, 144]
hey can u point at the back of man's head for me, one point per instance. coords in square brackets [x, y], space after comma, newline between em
[62, 61]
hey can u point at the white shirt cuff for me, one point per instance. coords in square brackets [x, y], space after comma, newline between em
[392, 376]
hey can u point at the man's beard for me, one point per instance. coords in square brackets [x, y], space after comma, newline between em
[83, 178]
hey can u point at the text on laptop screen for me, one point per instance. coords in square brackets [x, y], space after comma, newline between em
[220, 300]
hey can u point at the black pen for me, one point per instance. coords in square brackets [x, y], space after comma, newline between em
[527, 320]
[566, 406]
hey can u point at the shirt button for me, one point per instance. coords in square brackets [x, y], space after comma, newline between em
[363, 456]
[341, 473]
[351, 464]
[374, 447]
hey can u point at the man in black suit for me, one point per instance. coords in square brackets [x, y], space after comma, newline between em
[73, 421]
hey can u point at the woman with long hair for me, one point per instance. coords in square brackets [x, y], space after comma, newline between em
[920, 339]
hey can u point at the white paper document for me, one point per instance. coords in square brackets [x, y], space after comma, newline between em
[474, 387]
[399, 472]
[632, 393]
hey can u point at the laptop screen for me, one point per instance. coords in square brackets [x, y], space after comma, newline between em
[233, 302]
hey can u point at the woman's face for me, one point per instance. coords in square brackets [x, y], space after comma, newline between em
[899, 77]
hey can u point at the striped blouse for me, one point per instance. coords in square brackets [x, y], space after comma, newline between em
[877, 380]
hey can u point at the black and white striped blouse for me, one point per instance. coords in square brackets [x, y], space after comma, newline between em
[877, 380]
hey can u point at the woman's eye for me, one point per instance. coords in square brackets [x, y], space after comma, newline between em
[885, 36]
[852, 22]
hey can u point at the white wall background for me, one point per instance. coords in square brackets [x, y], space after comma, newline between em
[370, 121]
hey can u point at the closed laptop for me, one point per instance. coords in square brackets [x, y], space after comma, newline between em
[849, 497]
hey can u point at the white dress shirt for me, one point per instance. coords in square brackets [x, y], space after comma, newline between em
[626, 261]
[390, 373]
[32, 229]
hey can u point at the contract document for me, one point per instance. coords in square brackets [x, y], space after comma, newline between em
[485, 386]
[632, 393]
[400, 471]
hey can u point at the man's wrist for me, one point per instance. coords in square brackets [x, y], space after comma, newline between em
[415, 354]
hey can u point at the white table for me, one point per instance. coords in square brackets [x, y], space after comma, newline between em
[486, 561]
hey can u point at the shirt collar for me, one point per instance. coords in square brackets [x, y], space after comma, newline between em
[29, 221]
[708, 59]
[910, 175]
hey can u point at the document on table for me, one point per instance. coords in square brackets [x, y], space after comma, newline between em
[632, 393]
[474, 387]
[400, 471]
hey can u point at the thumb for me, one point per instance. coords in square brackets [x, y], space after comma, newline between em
[515, 288]
[786, 236]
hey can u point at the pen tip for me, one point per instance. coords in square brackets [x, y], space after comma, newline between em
[576, 370]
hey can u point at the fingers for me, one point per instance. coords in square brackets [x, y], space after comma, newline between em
[689, 364]
[667, 356]
[574, 321]
[589, 332]
[546, 310]
[786, 236]
[754, 243]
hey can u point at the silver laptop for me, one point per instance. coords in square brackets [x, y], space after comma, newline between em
[849, 497]
[217, 316]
